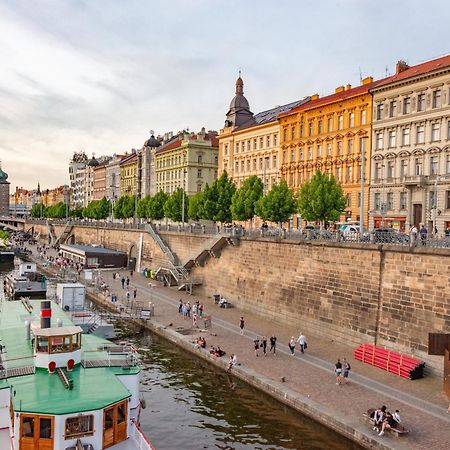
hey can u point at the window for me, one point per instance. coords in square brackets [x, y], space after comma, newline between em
[379, 140]
[302, 131]
[405, 136]
[339, 174]
[421, 102]
[292, 156]
[392, 138]
[237, 147]
[349, 174]
[433, 165]
[393, 108]
[319, 126]
[310, 129]
[275, 140]
[268, 141]
[418, 166]
[351, 120]
[216, 159]
[448, 129]
[248, 165]
[28, 426]
[448, 165]
[363, 117]
[254, 163]
[274, 161]
[378, 168]
[436, 98]
[248, 145]
[341, 122]
[293, 131]
[261, 142]
[377, 200]
[390, 170]
[285, 131]
[236, 166]
[199, 159]
[339, 148]
[349, 200]
[402, 200]
[406, 105]
[260, 164]
[420, 136]
[330, 124]
[350, 146]
[379, 111]
[447, 199]
[310, 153]
[403, 167]
[301, 155]
[319, 151]
[254, 143]
[390, 200]
[79, 426]
[329, 149]
[435, 132]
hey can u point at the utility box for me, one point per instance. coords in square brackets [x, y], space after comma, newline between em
[71, 296]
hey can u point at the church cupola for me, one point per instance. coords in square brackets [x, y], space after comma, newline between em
[239, 112]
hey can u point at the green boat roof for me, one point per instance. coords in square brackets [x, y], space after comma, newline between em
[44, 393]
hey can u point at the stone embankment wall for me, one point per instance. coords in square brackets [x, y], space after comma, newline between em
[348, 292]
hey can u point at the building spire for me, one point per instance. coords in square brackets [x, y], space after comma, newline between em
[239, 85]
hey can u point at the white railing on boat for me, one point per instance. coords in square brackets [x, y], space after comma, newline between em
[139, 437]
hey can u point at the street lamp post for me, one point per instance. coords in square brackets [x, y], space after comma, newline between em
[361, 199]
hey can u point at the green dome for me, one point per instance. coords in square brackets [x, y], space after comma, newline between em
[3, 176]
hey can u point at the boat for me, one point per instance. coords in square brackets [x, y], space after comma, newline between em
[27, 282]
[61, 389]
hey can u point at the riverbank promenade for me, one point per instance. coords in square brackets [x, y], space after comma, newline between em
[305, 381]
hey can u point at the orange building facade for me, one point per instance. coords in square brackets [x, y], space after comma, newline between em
[329, 133]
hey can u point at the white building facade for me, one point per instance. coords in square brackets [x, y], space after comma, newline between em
[410, 170]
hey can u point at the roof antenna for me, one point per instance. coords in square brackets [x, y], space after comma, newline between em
[360, 75]
[239, 71]
[386, 70]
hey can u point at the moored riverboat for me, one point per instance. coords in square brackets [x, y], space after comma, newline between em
[64, 390]
[26, 282]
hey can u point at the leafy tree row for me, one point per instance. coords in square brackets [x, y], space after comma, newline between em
[320, 200]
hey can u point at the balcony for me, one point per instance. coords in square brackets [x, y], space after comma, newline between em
[415, 180]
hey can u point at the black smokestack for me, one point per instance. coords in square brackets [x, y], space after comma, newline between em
[46, 314]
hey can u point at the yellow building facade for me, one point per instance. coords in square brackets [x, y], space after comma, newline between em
[129, 175]
[328, 134]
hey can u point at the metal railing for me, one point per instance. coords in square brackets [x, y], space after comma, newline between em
[138, 436]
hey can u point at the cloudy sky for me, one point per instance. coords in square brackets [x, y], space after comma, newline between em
[98, 75]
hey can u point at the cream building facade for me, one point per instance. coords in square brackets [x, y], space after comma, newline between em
[249, 144]
[187, 161]
[410, 177]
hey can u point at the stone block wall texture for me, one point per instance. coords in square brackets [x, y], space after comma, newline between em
[351, 293]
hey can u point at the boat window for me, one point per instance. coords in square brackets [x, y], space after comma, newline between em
[79, 426]
[42, 344]
[45, 428]
[60, 344]
[109, 419]
[76, 341]
[122, 413]
[28, 426]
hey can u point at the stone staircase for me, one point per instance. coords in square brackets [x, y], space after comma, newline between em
[211, 249]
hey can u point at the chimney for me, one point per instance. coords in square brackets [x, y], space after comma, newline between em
[46, 314]
[367, 80]
[348, 87]
[314, 97]
[339, 89]
[401, 66]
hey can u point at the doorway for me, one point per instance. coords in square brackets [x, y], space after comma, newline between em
[115, 424]
[417, 214]
[36, 432]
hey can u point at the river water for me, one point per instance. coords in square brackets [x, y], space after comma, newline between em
[192, 406]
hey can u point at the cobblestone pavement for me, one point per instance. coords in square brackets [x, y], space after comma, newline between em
[422, 403]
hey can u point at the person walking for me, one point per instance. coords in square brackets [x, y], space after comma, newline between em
[273, 344]
[134, 293]
[128, 296]
[180, 306]
[123, 282]
[194, 320]
[338, 371]
[413, 236]
[346, 369]
[256, 345]
[128, 281]
[291, 345]
[264, 345]
[423, 234]
[241, 324]
[200, 310]
[302, 341]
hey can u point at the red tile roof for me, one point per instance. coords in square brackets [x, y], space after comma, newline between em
[419, 69]
[176, 142]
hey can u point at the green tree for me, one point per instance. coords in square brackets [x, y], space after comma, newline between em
[278, 205]
[57, 211]
[37, 210]
[155, 208]
[76, 212]
[321, 199]
[142, 207]
[196, 203]
[245, 198]
[124, 208]
[217, 199]
[173, 206]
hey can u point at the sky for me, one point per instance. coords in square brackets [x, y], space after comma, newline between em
[98, 75]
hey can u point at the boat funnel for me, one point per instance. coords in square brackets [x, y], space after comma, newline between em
[46, 314]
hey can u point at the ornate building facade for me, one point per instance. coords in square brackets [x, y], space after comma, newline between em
[187, 160]
[129, 175]
[248, 143]
[410, 180]
[329, 134]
